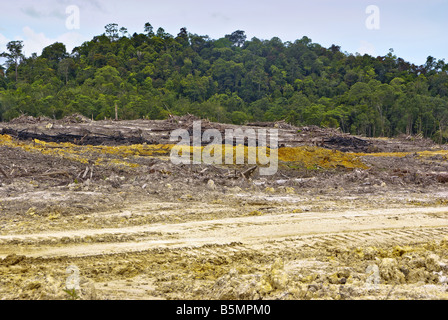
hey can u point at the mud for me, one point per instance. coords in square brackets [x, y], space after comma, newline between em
[123, 222]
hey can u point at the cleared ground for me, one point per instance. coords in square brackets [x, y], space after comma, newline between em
[131, 225]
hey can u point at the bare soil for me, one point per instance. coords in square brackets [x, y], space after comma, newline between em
[155, 230]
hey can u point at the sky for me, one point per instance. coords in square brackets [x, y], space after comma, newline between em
[414, 29]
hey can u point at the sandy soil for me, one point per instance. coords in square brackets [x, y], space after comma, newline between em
[163, 232]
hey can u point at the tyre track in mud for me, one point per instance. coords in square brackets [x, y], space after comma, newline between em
[279, 231]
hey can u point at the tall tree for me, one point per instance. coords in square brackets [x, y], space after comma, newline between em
[149, 30]
[124, 32]
[65, 66]
[112, 31]
[15, 55]
[54, 53]
[182, 36]
[238, 38]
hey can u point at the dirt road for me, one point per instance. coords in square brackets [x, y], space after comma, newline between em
[351, 228]
[273, 247]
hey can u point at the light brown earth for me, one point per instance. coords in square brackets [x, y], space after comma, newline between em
[160, 231]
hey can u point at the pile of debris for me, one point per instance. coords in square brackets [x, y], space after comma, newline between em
[24, 119]
[74, 118]
[277, 124]
[348, 144]
[81, 130]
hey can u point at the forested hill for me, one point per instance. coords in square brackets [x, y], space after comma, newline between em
[231, 79]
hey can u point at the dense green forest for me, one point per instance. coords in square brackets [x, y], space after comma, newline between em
[231, 79]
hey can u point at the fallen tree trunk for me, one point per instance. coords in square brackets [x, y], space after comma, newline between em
[87, 139]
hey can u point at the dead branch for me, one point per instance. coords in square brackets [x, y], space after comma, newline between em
[247, 173]
[3, 173]
[56, 173]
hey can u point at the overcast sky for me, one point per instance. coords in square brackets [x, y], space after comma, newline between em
[415, 29]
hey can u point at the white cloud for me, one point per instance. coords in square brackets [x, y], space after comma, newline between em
[35, 42]
[71, 40]
[3, 42]
[367, 48]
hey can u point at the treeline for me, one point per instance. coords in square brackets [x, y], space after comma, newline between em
[231, 79]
